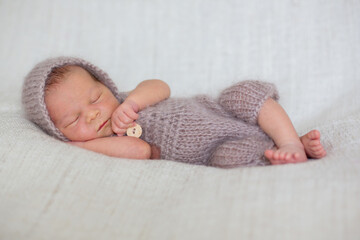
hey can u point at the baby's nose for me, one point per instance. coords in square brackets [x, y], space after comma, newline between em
[93, 114]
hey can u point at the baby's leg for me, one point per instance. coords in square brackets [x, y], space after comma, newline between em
[274, 121]
[241, 153]
[255, 102]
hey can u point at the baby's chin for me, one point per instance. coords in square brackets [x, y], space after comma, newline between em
[106, 131]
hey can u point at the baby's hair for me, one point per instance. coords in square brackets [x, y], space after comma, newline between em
[58, 75]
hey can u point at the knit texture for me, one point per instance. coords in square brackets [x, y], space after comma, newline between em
[242, 152]
[245, 100]
[33, 95]
[205, 131]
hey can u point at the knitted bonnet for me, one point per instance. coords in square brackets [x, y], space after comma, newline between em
[33, 94]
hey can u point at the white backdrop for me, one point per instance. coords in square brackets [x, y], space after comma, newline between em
[198, 46]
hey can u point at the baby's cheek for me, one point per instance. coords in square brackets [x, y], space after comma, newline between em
[84, 133]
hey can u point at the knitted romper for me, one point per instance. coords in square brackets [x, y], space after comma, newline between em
[200, 130]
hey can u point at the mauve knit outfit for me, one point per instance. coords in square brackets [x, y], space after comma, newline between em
[201, 130]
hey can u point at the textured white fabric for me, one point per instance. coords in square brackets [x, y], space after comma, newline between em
[310, 49]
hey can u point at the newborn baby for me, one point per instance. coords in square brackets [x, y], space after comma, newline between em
[75, 101]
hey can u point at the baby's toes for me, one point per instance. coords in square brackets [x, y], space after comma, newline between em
[316, 152]
[295, 156]
[282, 155]
[287, 157]
[314, 134]
[276, 155]
[319, 153]
[314, 143]
[279, 156]
[317, 148]
[269, 154]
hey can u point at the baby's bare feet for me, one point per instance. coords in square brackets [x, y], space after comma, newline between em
[294, 152]
[312, 144]
[289, 153]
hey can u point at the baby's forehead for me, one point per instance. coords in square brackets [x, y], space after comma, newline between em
[59, 74]
[77, 67]
[80, 69]
[63, 71]
[69, 73]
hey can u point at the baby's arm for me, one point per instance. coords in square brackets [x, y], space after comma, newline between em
[147, 93]
[122, 147]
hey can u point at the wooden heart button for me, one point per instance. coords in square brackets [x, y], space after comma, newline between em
[135, 131]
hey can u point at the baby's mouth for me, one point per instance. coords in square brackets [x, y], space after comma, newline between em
[103, 124]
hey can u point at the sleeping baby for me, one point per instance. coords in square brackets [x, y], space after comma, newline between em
[75, 101]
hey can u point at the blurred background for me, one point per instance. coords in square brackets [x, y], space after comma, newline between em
[196, 46]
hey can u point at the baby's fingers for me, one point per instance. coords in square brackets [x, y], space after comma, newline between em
[118, 130]
[125, 116]
[131, 114]
[119, 127]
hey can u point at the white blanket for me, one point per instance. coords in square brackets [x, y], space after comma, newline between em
[310, 49]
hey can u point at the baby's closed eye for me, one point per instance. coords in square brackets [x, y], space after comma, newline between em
[96, 98]
[72, 122]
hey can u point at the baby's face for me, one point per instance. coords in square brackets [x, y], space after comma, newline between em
[81, 107]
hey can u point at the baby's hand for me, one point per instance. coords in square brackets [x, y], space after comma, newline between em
[124, 116]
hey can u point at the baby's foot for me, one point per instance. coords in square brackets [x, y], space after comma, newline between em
[312, 145]
[289, 153]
